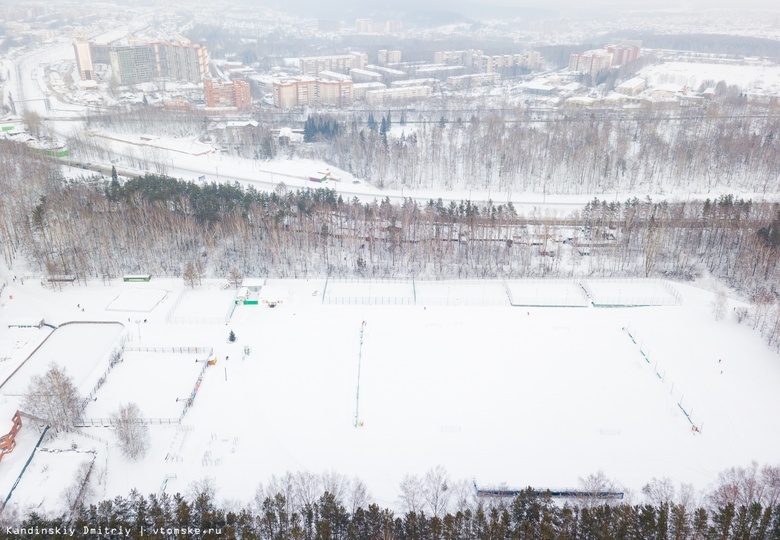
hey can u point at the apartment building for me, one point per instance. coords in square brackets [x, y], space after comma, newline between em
[388, 57]
[359, 90]
[457, 58]
[133, 64]
[364, 76]
[308, 92]
[590, 62]
[473, 81]
[144, 62]
[342, 63]
[181, 62]
[397, 95]
[622, 54]
[222, 94]
[477, 60]
[84, 60]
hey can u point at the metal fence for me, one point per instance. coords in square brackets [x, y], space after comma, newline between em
[629, 293]
[174, 318]
[660, 374]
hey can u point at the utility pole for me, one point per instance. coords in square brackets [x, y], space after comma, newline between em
[357, 394]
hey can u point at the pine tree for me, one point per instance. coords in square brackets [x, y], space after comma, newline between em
[232, 337]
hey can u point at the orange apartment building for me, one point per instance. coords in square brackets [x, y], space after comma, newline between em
[221, 94]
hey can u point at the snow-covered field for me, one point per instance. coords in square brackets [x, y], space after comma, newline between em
[137, 299]
[168, 379]
[537, 396]
[542, 292]
[754, 79]
[631, 292]
[81, 348]
[210, 303]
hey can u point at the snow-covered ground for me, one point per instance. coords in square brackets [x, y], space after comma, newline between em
[497, 394]
[763, 79]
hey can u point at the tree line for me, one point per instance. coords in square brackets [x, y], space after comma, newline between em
[529, 515]
[728, 143]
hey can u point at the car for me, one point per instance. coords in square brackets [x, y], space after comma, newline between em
[355, 181]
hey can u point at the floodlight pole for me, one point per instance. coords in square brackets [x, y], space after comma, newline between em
[360, 357]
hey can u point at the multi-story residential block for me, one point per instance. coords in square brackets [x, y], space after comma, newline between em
[222, 94]
[84, 60]
[623, 54]
[590, 62]
[181, 62]
[388, 57]
[472, 81]
[476, 60]
[308, 92]
[364, 76]
[397, 95]
[342, 63]
[144, 62]
[457, 58]
[133, 64]
[359, 90]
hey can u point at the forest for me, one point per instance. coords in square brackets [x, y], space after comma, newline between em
[156, 224]
[529, 515]
[694, 147]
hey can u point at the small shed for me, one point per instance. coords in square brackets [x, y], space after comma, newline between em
[137, 278]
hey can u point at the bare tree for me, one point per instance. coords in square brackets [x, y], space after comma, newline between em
[53, 397]
[337, 484]
[595, 486]
[33, 121]
[659, 492]
[719, 304]
[308, 488]
[359, 495]
[235, 277]
[132, 433]
[412, 494]
[437, 490]
[284, 486]
[206, 486]
[190, 274]
[81, 488]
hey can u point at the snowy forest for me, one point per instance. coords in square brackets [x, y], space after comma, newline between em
[744, 506]
[728, 143]
[157, 224]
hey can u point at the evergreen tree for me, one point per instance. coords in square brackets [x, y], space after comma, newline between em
[232, 337]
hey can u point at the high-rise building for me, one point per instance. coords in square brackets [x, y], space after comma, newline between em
[144, 62]
[133, 64]
[84, 60]
[181, 62]
[590, 62]
[623, 54]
